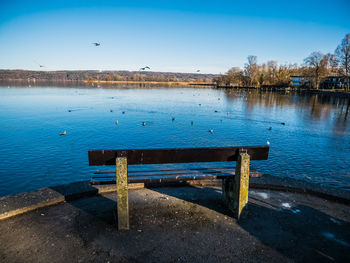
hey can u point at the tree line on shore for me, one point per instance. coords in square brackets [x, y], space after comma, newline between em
[157, 77]
[95, 75]
[316, 67]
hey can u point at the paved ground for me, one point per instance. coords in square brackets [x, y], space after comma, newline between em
[181, 224]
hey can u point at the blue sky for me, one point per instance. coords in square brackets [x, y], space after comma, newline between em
[177, 36]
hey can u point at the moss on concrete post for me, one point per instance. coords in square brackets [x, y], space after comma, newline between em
[122, 193]
[241, 184]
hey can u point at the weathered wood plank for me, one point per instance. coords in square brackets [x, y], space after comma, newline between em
[165, 179]
[177, 155]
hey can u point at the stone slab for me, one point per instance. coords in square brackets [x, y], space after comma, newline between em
[25, 202]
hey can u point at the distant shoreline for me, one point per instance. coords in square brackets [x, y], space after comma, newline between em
[180, 83]
[114, 76]
[199, 84]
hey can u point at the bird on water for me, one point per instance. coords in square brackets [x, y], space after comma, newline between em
[63, 133]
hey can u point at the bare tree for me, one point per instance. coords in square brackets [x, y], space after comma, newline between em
[332, 64]
[283, 75]
[251, 70]
[317, 63]
[272, 68]
[342, 53]
[262, 75]
[220, 80]
[234, 77]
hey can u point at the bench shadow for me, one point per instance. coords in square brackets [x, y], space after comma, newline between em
[213, 196]
[303, 234]
[85, 197]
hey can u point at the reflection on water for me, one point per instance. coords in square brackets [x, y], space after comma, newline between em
[309, 133]
[312, 107]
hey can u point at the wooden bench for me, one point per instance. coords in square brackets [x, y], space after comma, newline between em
[234, 186]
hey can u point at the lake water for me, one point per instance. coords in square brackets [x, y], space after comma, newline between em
[313, 145]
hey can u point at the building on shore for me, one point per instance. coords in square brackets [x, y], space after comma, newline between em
[330, 82]
[300, 81]
[334, 82]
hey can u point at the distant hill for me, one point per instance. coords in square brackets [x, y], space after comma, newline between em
[83, 75]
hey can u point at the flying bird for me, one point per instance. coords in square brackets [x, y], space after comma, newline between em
[96, 44]
[198, 70]
[41, 66]
[144, 68]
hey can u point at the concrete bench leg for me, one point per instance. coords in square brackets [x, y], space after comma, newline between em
[122, 193]
[235, 190]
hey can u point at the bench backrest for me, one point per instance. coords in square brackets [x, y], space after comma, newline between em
[177, 155]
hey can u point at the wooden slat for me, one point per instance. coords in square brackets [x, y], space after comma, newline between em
[165, 180]
[170, 170]
[177, 155]
[175, 174]
[171, 174]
